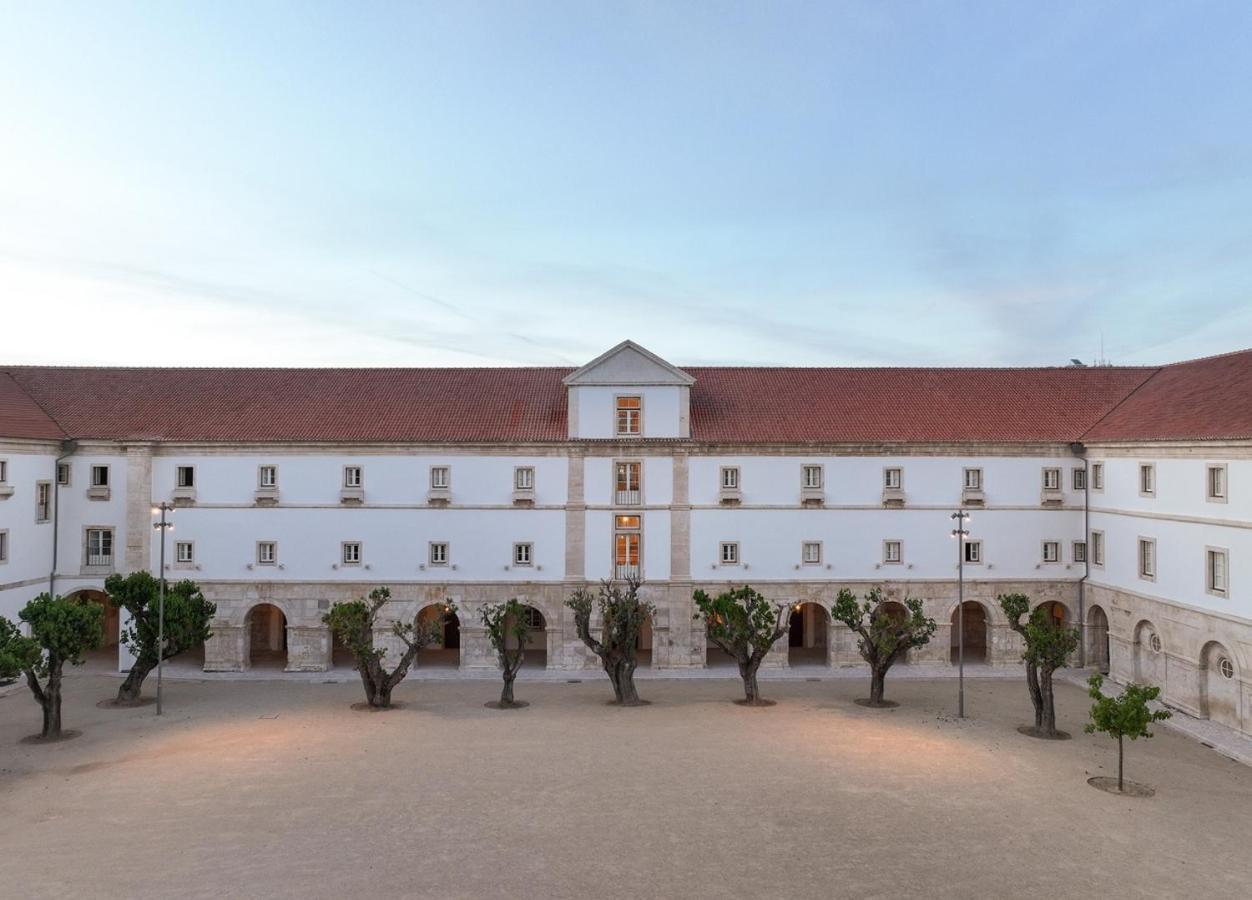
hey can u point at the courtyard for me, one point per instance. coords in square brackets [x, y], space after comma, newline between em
[279, 788]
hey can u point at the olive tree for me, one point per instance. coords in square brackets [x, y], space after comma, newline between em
[61, 630]
[622, 615]
[353, 623]
[1047, 646]
[744, 624]
[884, 635]
[502, 622]
[1125, 716]
[187, 618]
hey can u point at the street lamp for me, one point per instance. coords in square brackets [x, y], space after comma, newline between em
[162, 526]
[960, 532]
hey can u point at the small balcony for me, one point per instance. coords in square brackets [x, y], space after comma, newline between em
[265, 496]
[439, 496]
[629, 498]
[729, 496]
[973, 497]
[98, 492]
[812, 496]
[352, 495]
[1052, 497]
[184, 496]
[523, 496]
[6, 491]
[893, 498]
[621, 573]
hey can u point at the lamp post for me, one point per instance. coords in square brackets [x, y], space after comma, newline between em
[960, 532]
[162, 526]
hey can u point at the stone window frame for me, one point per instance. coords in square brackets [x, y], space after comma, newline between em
[1095, 483]
[524, 553]
[965, 485]
[43, 509]
[1155, 644]
[1043, 551]
[67, 469]
[728, 554]
[1147, 486]
[886, 478]
[360, 476]
[1097, 546]
[1144, 542]
[446, 485]
[4, 471]
[805, 468]
[626, 532]
[1209, 496]
[1045, 477]
[637, 463]
[804, 560]
[260, 475]
[359, 553]
[722, 472]
[1225, 667]
[273, 560]
[4, 546]
[1078, 551]
[431, 554]
[886, 554]
[106, 568]
[519, 477]
[617, 420]
[1078, 478]
[1209, 586]
[188, 563]
[187, 468]
[977, 546]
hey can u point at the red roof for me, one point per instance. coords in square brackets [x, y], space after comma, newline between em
[1204, 399]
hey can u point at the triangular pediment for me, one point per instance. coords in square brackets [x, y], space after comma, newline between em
[628, 363]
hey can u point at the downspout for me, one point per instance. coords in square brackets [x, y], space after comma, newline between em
[68, 447]
[1079, 450]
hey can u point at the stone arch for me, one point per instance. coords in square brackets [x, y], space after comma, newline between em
[1060, 613]
[808, 640]
[977, 635]
[537, 638]
[1219, 686]
[1148, 653]
[112, 615]
[446, 652]
[265, 636]
[1097, 637]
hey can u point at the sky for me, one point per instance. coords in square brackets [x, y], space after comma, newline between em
[529, 183]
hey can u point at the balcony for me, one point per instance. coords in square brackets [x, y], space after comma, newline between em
[812, 496]
[728, 496]
[265, 496]
[184, 496]
[6, 491]
[893, 498]
[98, 492]
[524, 496]
[624, 572]
[629, 498]
[439, 496]
[973, 497]
[1052, 497]
[352, 495]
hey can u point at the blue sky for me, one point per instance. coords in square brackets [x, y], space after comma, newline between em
[528, 183]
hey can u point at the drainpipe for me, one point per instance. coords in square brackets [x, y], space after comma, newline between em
[67, 450]
[1079, 450]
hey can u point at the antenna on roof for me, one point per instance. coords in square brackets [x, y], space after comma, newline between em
[1077, 363]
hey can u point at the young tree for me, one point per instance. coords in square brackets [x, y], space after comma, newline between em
[623, 615]
[61, 630]
[505, 621]
[353, 623]
[1124, 716]
[744, 624]
[187, 617]
[1047, 646]
[884, 635]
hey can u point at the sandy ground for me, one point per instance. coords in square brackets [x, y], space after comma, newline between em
[278, 789]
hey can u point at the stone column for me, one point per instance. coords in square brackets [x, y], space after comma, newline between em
[226, 650]
[843, 650]
[476, 652]
[939, 650]
[308, 648]
[139, 511]
[777, 656]
[1182, 686]
[685, 640]
[575, 521]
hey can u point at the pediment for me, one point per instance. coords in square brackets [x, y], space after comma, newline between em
[628, 363]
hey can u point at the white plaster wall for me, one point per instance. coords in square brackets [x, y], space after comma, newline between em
[30, 542]
[599, 479]
[77, 513]
[597, 412]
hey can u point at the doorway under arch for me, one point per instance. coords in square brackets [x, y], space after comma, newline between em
[1149, 655]
[446, 653]
[1056, 611]
[107, 653]
[536, 639]
[808, 638]
[265, 630]
[975, 636]
[1098, 639]
[1219, 687]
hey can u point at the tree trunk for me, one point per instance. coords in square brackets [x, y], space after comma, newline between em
[1047, 704]
[877, 684]
[747, 671]
[1036, 694]
[132, 687]
[621, 673]
[52, 700]
[1120, 786]
[506, 694]
[382, 697]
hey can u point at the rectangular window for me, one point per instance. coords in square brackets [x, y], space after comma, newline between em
[1080, 551]
[626, 538]
[4, 471]
[730, 478]
[266, 553]
[440, 478]
[439, 554]
[627, 477]
[267, 476]
[812, 477]
[523, 554]
[629, 416]
[1080, 479]
[1097, 548]
[973, 552]
[973, 479]
[1051, 479]
[892, 551]
[63, 474]
[353, 477]
[1051, 551]
[1147, 559]
[351, 553]
[185, 476]
[811, 553]
[524, 478]
[99, 546]
[1216, 566]
[184, 552]
[1097, 476]
[43, 501]
[4, 546]
[729, 553]
[892, 478]
[1147, 479]
[99, 476]
[1215, 477]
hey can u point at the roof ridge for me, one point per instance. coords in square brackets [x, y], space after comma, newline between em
[39, 406]
[1118, 405]
[1199, 359]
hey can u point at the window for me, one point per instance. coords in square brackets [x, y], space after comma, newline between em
[1080, 479]
[99, 476]
[1097, 548]
[892, 479]
[524, 478]
[812, 477]
[1215, 477]
[352, 476]
[184, 552]
[1080, 551]
[63, 474]
[1154, 642]
[351, 553]
[1051, 551]
[729, 553]
[973, 479]
[1147, 559]
[4, 546]
[267, 477]
[534, 619]
[4, 471]
[99, 546]
[1051, 479]
[626, 536]
[629, 415]
[440, 478]
[1097, 476]
[730, 478]
[627, 478]
[1216, 566]
[1147, 479]
[267, 553]
[892, 552]
[523, 554]
[811, 553]
[185, 476]
[1226, 667]
[973, 552]
[43, 501]
[439, 554]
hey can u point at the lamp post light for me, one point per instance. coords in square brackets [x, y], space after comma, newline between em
[960, 532]
[163, 525]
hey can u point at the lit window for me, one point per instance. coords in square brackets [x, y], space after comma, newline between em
[811, 553]
[730, 478]
[524, 478]
[973, 479]
[267, 476]
[266, 553]
[627, 475]
[1051, 551]
[892, 551]
[185, 476]
[812, 477]
[1147, 558]
[184, 552]
[1147, 479]
[629, 415]
[1216, 478]
[352, 553]
[440, 478]
[1051, 479]
[352, 476]
[973, 552]
[439, 554]
[626, 538]
[523, 554]
[1217, 562]
[892, 478]
[729, 553]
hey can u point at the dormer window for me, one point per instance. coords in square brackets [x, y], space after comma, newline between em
[629, 416]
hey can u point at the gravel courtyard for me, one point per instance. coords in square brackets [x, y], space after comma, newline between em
[279, 789]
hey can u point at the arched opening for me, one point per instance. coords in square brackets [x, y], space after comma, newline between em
[1219, 687]
[1056, 612]
[107, 653]
[265, 629]
[1149, 655]
[1098, 639]
[446, 652]
[643, 648]
[975, 632]
[808, 639]
[536, 639]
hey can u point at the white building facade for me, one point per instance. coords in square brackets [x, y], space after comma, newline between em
[297, 489]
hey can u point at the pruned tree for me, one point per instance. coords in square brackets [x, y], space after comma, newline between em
[503, 621]
[187, 618]
[353, 623]
[884, 635]
[61, 630]
[745, 625]
[622, 615]
[1047, 646]
[1125, 716]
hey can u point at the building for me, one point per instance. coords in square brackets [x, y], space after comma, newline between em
[1120, 496]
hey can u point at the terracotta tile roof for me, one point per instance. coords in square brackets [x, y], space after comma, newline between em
[1204, 399]
[21, 417]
